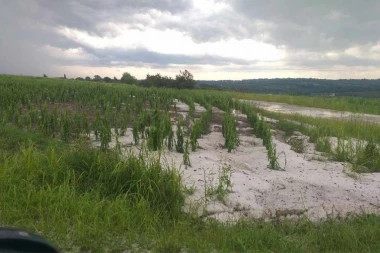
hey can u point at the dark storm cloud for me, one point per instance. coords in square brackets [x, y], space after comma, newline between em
[316, 25]
[24, 37]
[19, 47]
[88, 15]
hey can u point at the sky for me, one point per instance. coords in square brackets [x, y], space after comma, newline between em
[213, 39]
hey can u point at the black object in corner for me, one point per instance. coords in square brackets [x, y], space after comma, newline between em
[14, 240]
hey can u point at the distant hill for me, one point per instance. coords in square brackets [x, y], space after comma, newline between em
[301, 86]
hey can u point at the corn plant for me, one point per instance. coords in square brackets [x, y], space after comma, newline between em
[135, 132]
[262, 130]
[231, 138]
[170, 141]
[180, 137]
[168, 131]
[155, 138]
[191, 105]
[205, 120]
[186, 154]
[105, 136]
[65, 127]
[118, 144]
[272, 156]
[194, 135]
[86, 125]
[97, 126]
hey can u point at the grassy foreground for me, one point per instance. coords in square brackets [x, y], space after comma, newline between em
[85, 200]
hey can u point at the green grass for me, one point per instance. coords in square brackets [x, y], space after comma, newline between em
[289, 128]
[12, 139]
[354, 235]
[87, 200]
[87, 196]
[326, 127]
[351, 104]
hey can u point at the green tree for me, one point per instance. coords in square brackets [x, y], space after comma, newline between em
[185, 80]
[87, 78]
[97, 78]
[107, 79]
[157, 80]
[128, 78]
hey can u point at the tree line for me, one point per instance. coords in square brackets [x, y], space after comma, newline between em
[299, 86]
[184, 80]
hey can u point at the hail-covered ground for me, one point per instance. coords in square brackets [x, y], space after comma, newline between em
[307, 185]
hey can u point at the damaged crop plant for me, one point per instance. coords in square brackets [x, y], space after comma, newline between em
[229, 132]
[263, 131]
[81, 197]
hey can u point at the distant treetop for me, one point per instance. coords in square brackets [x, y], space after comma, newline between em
[128, 79]
[184, 80]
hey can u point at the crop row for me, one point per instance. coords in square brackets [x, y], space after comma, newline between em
[70, 110]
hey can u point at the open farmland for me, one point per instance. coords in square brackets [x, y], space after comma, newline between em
[101, 167]
[313, 111]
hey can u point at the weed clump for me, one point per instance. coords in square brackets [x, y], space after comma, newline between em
[224, 185]
[323, 145]
[297, 144]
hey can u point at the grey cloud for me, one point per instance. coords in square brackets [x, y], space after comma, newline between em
[112, 57]
[19, 54]
[223, 25]
[307, 24]
[23, 39]
[313, 27]
[27, 54]
[310, 24]
[90, 14]
[326, 63]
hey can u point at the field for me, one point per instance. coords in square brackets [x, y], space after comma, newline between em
[97, 167]
[350, 104]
